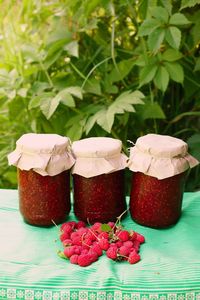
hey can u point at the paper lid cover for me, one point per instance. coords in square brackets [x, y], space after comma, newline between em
[98, 155]
[46, 154]
[160, 156]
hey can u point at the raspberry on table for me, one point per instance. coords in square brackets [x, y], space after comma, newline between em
[133, 258]
[112, 253]
[104, 244]
[84, 260]
[123, 235]
[124, 251]
[74, 259]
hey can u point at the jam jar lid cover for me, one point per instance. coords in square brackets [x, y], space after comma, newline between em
[98, 155]
[46, 154]
[160, 156]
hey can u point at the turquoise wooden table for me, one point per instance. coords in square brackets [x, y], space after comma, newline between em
[30, 268]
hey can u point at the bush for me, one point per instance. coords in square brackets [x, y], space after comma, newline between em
[99, 68]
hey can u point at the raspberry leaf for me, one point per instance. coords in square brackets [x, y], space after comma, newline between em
[105, 228]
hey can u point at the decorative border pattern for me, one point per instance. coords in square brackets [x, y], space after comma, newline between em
[38, 294]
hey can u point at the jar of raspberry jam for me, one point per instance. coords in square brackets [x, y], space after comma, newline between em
[43, 162]
[159, 164]
[98, 179]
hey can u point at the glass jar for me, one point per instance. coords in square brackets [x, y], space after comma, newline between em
[98, 179]
[160, 164]
[43, 162]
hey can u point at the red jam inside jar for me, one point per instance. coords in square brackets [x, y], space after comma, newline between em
[44, 199]
[100, 198]
[156, 203]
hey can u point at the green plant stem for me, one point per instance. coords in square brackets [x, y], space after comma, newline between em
[46, 73]
[112, 9]
[93, 69]
[77, 71]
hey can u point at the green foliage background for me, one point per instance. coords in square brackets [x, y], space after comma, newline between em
[99, 68]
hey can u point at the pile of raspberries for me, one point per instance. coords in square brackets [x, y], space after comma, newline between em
[83, 245]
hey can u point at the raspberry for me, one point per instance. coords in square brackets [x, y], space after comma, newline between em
[95, 247]
[91, 235]
[77, 249]
[69, 251]
[104, 235]
[123, 235]
[67, 242]
[86, 243]
[80, 224]
[66, 228]
[72, 224]
[133, 235]
[82, 230]
[114, 245]
[64, 236]
[93, 255]
[124, 251]
[119, 244]
[136, 245]
[128, 244]
[74, 235]
[84, 251]
[104, 244]
[74, 259]
[140, 238]
[97, 227]
[133, 258]
[111, 224]
[77, 241]
[111, 253]
[84, 260]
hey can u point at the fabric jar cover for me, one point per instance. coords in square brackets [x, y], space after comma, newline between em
[160, 156]
[98, 155]
[46, 154]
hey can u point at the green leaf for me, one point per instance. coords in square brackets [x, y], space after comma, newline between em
[62, 255]
[74, 126]
[160, 13]
[52, 58]
[195, 32]
[123, 69]
[22, 92]
[171, 55]
[189, 3]
[75, 91]
[39, 86]
[155, 39]
[90, 123]
[167, 5]
[72, 48]
[173, 37]
[178, 19]
[34, 102]
[122, 104]
[197, 65]
[93, 86]
[105, 228]
[161, 79]
[151, 110]
[48, 106]
[148, 26]
[75, 132]
[194, 145]
[66, 98]
[175, 71]
[147, 74]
